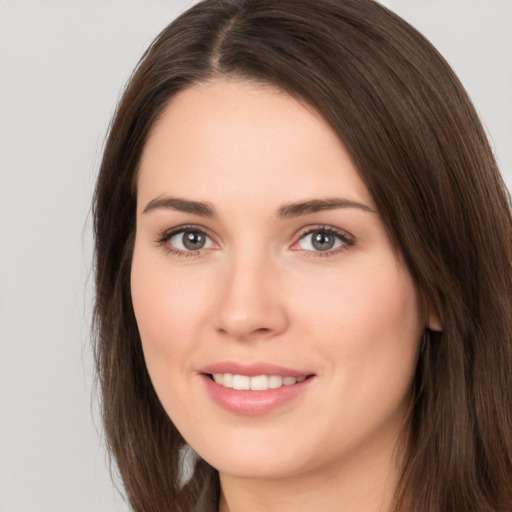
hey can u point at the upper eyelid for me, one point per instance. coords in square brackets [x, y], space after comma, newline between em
[301, 231]
[331, 229]
[168, 233]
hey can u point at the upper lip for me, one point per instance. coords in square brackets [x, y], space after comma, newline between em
[252, 369]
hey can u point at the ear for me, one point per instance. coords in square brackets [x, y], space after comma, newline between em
[433, 319]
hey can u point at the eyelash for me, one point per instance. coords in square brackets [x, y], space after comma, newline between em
[346, 239]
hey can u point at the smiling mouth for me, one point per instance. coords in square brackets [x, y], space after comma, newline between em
[255, 383]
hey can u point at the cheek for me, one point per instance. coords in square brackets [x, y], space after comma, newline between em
[168, 311]
[367, 321]
[367, 329]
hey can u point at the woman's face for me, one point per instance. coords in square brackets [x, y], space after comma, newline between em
[260, 260]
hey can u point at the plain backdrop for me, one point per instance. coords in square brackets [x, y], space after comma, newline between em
[63, 64]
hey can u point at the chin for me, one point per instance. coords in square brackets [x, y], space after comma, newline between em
[257, 468]
[255, 458]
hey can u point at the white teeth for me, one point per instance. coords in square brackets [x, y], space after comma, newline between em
[241, 382]
[274, 381]
[227, 380]
[257, 383]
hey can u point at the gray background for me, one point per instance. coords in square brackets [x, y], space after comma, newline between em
[63, 64]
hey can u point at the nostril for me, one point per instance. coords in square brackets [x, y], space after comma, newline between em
[262, 330]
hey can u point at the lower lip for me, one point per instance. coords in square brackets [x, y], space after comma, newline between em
[253, 403]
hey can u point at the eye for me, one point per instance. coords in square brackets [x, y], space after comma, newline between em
[186, 240]
[190, 240]
[326, 240]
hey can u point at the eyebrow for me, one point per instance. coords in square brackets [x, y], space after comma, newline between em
[286, 211]
[291, 210]
[182, 205]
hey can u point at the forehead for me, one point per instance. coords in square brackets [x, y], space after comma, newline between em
[230, 138]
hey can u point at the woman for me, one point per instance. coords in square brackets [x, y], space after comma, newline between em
[303, 251]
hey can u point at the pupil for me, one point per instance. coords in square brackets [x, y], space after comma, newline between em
[323, 241]
[193, 240]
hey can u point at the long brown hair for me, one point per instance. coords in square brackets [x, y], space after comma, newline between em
[420, 149]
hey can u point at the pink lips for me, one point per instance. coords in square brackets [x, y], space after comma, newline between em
[252, 403]
[252, 370]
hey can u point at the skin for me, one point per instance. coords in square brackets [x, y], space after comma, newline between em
[259, 291]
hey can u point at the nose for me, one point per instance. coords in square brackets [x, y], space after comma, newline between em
[251, 300]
